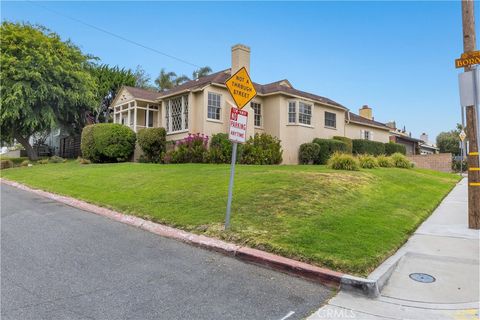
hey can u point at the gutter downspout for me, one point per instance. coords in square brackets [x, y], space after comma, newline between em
[348, 121]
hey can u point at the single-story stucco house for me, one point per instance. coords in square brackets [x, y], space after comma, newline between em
[279, 109]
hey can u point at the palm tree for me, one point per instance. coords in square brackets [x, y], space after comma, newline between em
[165, 80]
[181, 79]
[202, 72]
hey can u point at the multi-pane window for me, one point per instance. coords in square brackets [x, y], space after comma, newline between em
[213, 106]
[176, 114]
[150, 119]
[257, 114]
[367, 135]
[292, 112]
[330, 119]
[304, 113]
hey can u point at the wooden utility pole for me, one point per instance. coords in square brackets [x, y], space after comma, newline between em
[469, 45]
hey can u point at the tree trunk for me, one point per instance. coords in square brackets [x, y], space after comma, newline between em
[31, 153]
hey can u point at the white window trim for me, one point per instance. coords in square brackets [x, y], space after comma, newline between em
[184, 97]
[221, 111]
[297, 113]
[261, 114]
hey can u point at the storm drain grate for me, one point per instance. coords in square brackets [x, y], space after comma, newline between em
[422, 277]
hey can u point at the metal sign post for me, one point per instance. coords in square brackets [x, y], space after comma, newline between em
[230, 185]
[242, 91]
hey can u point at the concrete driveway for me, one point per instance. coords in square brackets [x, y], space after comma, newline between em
[58, 262]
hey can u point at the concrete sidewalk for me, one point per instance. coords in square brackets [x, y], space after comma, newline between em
[442, 247]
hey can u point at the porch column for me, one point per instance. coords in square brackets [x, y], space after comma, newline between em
[128, 114]
[135, 116]
[147, 115]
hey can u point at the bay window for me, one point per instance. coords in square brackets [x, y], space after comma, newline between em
[176, 114]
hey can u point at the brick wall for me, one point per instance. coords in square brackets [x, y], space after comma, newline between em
[439, 162]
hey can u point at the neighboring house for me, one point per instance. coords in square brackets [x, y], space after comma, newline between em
[202, 106]
[363, 126]
[412, 145]
[427, 147]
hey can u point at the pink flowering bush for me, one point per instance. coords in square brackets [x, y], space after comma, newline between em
[192, 149]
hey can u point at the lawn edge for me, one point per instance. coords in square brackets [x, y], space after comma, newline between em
[304, 270]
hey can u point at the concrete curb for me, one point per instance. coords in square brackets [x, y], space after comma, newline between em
[321, 275]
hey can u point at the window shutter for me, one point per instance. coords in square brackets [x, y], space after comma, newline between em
[362, 134]
[371, 135]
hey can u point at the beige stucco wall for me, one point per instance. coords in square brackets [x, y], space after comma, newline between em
[353, 131]
[292, 136]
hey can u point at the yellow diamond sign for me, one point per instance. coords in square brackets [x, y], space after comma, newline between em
[241, 88]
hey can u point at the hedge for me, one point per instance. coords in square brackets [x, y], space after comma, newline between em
[327, 148]
[220, 150]
[308, 153]
[360, 146]
[153, 143]
[391, 148]
[345, 140]
[262, 149]
[107, 142]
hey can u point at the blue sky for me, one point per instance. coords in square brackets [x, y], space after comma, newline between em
[397, 57]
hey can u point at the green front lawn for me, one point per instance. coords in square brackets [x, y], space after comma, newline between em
[347, 221]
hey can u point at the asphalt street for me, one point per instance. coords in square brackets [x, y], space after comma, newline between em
[58, 262]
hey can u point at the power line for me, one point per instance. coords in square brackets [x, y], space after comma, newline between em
[115, 35]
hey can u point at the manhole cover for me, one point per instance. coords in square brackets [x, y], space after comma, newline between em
[422, 277]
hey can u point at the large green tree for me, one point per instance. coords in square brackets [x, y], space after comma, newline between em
[109, 80]
[142, 78]
[45, 83]
[449, 141]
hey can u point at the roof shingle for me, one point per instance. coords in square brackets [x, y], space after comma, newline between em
[356, 118]
[220, 78]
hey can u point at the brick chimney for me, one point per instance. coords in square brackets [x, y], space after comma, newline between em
[365, 112]
[240, 57]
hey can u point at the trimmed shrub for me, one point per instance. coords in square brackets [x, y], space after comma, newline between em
[392, 147]
[262, 149]
[308, 153]
[57, 159]
[192, 149]
[327, 148]
[400, 161]
[153, 142]
[42, 161]
[107, 142]
[6, 163]
[367, 161]
[343, 161]
[345, 140]
[384, 161]
[83, 160]
[361, 146]
[221, 149]
[16, 161]
[25, 163]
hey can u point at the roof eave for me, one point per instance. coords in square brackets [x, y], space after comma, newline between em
[369, 125]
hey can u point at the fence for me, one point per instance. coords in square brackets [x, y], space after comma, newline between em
[438, 162]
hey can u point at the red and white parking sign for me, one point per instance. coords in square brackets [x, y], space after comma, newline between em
[238, 125]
